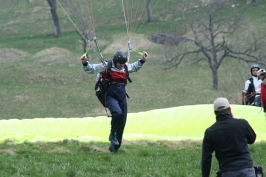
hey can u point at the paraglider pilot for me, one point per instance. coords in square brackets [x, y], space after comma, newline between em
[116, 100]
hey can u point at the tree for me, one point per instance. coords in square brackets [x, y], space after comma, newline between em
[212, 38]
[254, 2]
[52, 4]
[149, 11]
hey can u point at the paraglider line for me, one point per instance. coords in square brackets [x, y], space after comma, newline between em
[88, 41]
[147, 17]
[71, 20]
[126, 22]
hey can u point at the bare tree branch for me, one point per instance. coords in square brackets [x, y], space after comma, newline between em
[213, 39]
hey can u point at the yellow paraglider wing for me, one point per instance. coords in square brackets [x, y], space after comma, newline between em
[178, 123]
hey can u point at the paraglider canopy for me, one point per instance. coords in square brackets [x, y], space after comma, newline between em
[177, 123]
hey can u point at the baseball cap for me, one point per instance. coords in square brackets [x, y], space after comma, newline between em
[221, 104]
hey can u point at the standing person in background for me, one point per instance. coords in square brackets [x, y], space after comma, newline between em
[116, 100]
[252, 88]
[262, 76]
[228, 137]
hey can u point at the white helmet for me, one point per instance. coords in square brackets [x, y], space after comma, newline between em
[261, 71]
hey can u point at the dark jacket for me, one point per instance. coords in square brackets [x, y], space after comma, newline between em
[229, 138]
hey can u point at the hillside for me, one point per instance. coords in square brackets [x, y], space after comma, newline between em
[41, 76]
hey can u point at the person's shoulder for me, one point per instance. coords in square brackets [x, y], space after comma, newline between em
[212, 127]
[249, 79]
[240, 120]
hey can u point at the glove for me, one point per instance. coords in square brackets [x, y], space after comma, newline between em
[144, 56]
[83, 59]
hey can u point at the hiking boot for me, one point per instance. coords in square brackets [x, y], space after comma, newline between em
[113, 139]
[113, 149]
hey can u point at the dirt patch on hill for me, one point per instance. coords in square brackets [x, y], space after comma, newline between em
[9, 55]
[54, 56]
[53, 53]
[139, 43]
[167, 39]
[206, 1]
[171, 144]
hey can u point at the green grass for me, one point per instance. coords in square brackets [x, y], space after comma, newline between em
[76, 159]
[71, 158]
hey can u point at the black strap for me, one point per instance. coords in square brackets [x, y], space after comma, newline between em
[108, 71]
[128, 78]
[251, 87]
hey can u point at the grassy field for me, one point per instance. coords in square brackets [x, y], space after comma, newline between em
[138, 159]
[41, 76]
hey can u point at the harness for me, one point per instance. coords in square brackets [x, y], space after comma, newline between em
[109, 77]
[249, 97]
[102, 85]
[251, 87]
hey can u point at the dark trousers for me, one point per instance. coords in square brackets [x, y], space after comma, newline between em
[117, 104]
[246, 172]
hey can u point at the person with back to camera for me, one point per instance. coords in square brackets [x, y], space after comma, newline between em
[115, 98]
[252, 88]
[262, 77]
[228, 137]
